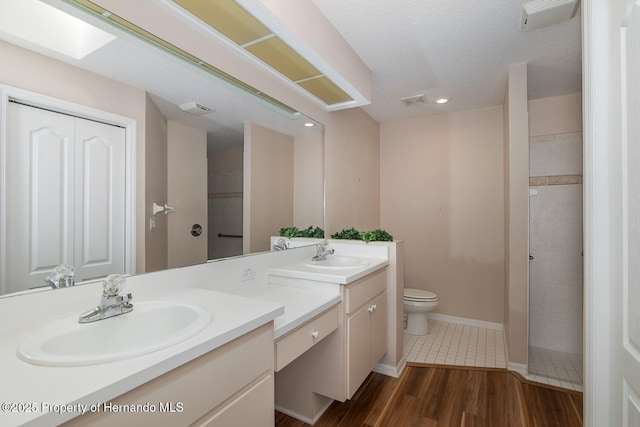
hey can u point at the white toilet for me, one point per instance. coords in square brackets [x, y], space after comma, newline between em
[417, 303]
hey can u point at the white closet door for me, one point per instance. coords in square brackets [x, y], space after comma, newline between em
[99, 209]
[65, 196]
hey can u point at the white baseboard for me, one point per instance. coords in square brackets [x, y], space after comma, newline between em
[294, 415]
[465, 321]
[304, 419]
[518, 367]
[390, 370]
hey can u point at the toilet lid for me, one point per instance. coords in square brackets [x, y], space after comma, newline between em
[419, 295]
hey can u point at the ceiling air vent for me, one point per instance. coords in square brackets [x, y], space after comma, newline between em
[195, 108]
[411, 101]
[541, 13]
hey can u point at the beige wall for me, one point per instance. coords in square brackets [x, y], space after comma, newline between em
[556, 114]
[308, 181]
[516, 196]
[442, 193]
[156, 240]
[352, 171]
[268, 186]
[187, 194]
[36, 73]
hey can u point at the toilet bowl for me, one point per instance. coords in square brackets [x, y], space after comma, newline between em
[417, 303]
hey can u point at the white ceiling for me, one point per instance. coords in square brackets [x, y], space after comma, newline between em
[460, 49]
[456, 48]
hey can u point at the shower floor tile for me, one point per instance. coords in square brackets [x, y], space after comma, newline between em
[556, 367]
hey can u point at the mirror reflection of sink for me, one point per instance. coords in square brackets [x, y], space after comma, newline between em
[149, 327]
[337, 262]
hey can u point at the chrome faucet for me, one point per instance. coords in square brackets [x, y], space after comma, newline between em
[280, 245]
[62, 277]
[111, 303]
[322, 253]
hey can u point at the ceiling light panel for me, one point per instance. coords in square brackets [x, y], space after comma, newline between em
[326, 90]
[227, 17]
[279, 56]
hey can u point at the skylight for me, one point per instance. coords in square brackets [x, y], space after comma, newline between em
[39, 24]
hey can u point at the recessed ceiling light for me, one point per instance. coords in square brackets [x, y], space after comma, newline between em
[442, 100]
[309, 124]
[38, 23]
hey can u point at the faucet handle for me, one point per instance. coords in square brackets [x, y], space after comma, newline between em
[113, 285]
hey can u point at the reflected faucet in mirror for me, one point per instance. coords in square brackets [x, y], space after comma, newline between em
[62, 277]
[112, 303]
[280, 245]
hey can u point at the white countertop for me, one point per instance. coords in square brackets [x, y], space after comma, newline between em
[343, 276]
[300, 303]
[41, 387]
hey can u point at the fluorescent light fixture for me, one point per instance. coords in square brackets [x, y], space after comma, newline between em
[442, 100]
[231, 20]
[39, 24]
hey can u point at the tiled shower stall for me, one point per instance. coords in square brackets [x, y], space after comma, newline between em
[555, 266]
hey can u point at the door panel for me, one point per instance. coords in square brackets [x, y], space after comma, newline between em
[40, 195]
[100, 166]
[379, 329]
[630, 67]
[358, 348]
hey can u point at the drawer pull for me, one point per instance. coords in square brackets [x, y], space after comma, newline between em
[315, 334]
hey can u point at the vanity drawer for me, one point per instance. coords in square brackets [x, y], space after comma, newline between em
[363, 290]
[289, 347]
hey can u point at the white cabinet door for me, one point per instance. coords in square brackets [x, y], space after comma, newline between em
[378, 329]
[358, 349]
[65, 196]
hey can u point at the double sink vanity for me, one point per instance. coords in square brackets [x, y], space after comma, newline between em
[217, 344]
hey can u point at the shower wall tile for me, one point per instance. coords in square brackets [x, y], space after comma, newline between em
[555, 241]
[559, 154]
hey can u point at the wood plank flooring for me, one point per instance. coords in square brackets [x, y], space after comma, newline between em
[448, 396]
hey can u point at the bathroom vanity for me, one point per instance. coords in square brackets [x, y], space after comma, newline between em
[232, 385]
[297, 335]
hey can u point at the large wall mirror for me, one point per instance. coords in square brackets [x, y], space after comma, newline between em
[210, 171]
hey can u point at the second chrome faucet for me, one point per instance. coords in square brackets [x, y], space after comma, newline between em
[322, 253]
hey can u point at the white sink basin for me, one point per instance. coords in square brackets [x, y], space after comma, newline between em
[337, 262]
[148, 328]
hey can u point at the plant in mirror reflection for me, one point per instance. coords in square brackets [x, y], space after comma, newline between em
[311, 231]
